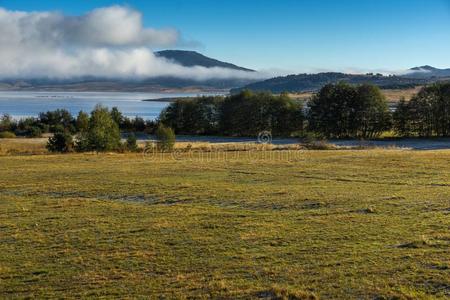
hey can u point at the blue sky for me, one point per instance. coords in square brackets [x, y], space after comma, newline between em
[296, 35]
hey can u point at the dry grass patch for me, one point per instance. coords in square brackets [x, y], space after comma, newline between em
[117, 226]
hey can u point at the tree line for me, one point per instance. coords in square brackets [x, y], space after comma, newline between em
[98, 131]
[426, 114]
[62, 120]
[338, 110]
[243, 114]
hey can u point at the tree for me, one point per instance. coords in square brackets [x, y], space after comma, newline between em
[165, 137]
[30, 127]
[286, 115]
[60, 142]
[243, 114]
[330, 109]
[193, 116]
[248, 113]
[117, 116]
[58, 120]
[401, 119]
[426, 114]
[372, 115]
[103, 132]
[430, 110]
[345, 111]
[82, 122]
[138, 124]
[33, 132]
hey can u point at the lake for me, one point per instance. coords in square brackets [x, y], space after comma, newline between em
[21, 104]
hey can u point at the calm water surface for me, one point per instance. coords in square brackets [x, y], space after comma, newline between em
[24, 104]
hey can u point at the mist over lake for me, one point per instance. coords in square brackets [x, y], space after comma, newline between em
[21, 104]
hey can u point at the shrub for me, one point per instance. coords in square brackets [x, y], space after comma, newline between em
[81, 142]
[59, 128]
[60, 142]
[311, 137]
[7, 135]
[6, 123]
[165, 137]
[33, 132]
[131, 143]
[318, 145]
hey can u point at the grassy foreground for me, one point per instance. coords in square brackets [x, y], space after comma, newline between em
[320, 224]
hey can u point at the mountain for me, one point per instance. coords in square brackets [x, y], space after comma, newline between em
[427, 72]
[313, 82]
[192, 58]
[155, 84]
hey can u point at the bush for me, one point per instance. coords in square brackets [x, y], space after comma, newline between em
[131, 143]
[7, 135]
[6, 123]
[60, 142]
[33, 132]
[311, 137]
[81, 142]
[318, 145]
[165, 137]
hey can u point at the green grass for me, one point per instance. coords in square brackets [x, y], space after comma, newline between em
[325, 224]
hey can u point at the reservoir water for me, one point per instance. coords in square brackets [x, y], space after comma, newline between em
[21, 104]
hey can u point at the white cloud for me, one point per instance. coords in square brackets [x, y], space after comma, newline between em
[108, 42]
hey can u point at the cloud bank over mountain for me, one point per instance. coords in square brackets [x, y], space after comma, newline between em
[106, 42]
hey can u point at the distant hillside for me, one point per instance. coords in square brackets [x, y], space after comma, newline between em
[156, 84]
[427, 72]
[192, 58]
[313, 82]
[159, 84]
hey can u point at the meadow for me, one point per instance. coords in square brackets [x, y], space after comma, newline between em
[340, 224]
[392, 95]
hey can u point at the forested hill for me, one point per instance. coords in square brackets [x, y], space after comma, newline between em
[192, 58]
[313, 82]
[427, 72]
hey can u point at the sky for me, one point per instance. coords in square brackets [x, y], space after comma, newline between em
[283, 36]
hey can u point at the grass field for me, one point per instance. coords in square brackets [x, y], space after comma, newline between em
[316, 224]
[392, 95]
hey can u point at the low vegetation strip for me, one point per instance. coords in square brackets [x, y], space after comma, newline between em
[378, 228]
[337, 111]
